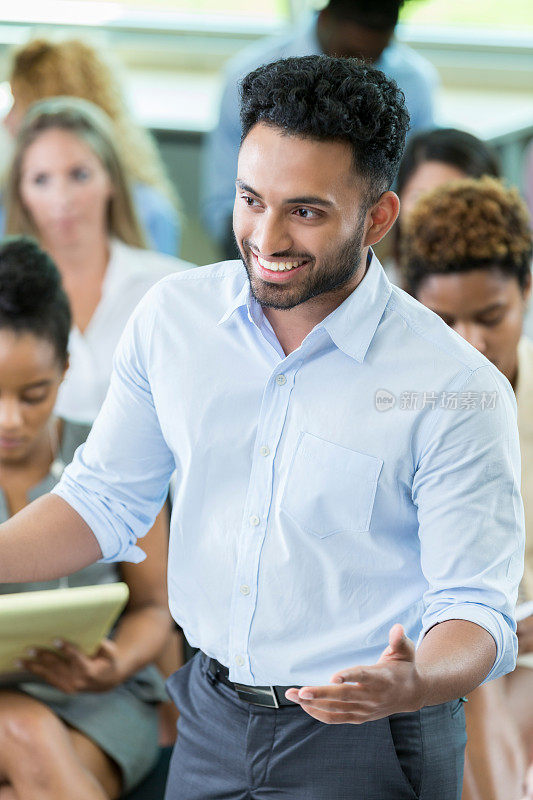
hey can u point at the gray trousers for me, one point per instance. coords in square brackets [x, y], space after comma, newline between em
[230, 750]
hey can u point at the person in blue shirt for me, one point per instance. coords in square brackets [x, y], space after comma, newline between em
[351, 28]
[347, 530]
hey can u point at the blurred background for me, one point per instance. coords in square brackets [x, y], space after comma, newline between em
[171, 56]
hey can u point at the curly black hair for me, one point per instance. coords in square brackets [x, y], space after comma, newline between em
[328, 99]
[32, 299]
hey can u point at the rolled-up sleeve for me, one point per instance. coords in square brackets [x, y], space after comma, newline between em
[471, 524]
[118, 480]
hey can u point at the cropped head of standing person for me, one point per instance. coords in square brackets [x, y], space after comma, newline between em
[357, 28]
[67, 186]
[43, 69]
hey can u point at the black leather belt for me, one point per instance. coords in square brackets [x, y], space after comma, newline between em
[268, 696]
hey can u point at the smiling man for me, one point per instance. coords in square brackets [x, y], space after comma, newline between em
[306, 247]
[342, 491]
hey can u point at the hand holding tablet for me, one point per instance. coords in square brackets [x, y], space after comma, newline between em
[33, 620]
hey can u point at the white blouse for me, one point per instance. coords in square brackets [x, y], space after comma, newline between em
[130, 273]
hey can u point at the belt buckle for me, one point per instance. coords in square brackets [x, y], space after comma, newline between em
[251, 693]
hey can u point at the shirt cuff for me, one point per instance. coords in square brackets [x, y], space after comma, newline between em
[111, 544]
[501, 628]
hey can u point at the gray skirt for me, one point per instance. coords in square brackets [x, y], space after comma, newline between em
[122, 722]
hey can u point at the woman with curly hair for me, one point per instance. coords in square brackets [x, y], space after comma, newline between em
[42, 68]
[466, 254]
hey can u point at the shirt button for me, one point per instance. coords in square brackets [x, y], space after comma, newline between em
[281, 379]
[254, 520]
[265, 451]
[239, 660]
[245, 590]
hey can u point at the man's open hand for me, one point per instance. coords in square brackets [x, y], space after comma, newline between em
[361, 694]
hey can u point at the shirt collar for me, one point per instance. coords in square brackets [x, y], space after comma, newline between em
[242, 299]
[353, 324]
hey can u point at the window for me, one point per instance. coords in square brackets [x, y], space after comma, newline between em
[511, 15]
[148, 13]
[267, 8]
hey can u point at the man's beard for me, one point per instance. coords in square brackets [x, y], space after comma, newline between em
[336, 270]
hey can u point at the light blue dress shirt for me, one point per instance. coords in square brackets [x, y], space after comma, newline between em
[370, 477]
[413, 74]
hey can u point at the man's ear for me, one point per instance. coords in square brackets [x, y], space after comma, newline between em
[382, 216]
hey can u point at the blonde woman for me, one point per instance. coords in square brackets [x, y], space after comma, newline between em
[43, 68]
[67, 186]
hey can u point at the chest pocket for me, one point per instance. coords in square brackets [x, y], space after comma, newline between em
[330, 488]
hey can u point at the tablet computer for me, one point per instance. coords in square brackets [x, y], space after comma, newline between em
[81, 615]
